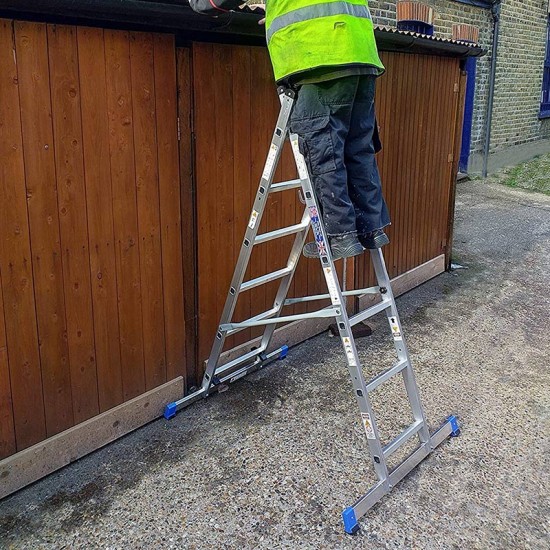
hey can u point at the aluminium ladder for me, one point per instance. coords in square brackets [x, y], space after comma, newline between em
[216, 377]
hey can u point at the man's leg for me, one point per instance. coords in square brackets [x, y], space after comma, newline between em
[365, 188]
[321, 118]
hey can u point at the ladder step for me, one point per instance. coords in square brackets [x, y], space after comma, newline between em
[283, 232]
[386, 375]
[373, 310]
[360, 292]
[253, 283]
[285, 185]
[265, 315]
[393, 445]
[326, 312]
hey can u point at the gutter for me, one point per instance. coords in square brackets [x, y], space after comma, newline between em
[164, 15]
[176, 16]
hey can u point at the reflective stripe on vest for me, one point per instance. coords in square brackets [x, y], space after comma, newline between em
[314, 12]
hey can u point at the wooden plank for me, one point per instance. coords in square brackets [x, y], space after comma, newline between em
[260, 137]
[125, 215]
[189, 214]
[222, 157]
[422, 132]
[427, 168]
[7, 428]
[454, 173]
[15, 258]
[242, 121]
[73, 218]
[38, 148]
[170, 210]
[95, 133]
[52, 454]
[205, 130]
[147, 177]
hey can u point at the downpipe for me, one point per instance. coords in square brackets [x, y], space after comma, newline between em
[495, 10]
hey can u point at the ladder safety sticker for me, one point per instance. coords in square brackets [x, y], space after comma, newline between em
[300, 162]
[367, 423]
[396, 333]
[331, 283]
[349, 351]
[269, 163]
[316, 227]
[253, 219]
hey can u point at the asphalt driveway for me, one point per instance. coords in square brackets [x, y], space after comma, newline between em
[272, 462]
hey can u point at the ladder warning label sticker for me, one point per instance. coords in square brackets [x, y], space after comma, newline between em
[300, 162]
[253, 219]
[396, 333]
[316, 227]
[349, 351]
[270, 161]
[367, 423]
[331, 283]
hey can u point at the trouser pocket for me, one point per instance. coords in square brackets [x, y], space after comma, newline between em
[315, 143]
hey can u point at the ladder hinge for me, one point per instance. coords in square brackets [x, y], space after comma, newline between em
[179, 129]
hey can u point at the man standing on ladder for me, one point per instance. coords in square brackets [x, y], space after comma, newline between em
[327, 51]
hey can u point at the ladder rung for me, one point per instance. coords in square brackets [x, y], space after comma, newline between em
[361, 292]
[283, 232]
[392, 446]
[373, 310]
[326, 312]
[265, 315]
[284, 185]
[386, 375]
[279, 274]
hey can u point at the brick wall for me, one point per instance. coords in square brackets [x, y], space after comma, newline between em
[447, 13]
[522, 47]
[520, 61]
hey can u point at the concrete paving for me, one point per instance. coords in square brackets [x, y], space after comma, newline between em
[272, 462]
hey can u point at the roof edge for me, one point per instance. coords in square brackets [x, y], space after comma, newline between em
[180, 19]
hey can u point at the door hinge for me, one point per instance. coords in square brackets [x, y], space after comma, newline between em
[457, 87]
[450, 158]
[179, 129]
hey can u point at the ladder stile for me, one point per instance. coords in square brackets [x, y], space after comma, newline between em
[217, 376]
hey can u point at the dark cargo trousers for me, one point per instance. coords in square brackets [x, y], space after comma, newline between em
[335, 123]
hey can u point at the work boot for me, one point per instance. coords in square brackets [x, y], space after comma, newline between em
[345, 246]
[374, 239]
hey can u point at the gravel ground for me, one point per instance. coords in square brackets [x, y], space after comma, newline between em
[272, 462]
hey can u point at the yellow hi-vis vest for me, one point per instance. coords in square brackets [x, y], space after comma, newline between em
[306, 34]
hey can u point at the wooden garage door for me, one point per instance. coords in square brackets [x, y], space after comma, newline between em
[236, 106]
[91, 267]
[419, 108]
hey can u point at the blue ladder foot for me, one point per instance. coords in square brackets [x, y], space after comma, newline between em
[455, 428]
[284, 352]
[350, 521]
[170, 410]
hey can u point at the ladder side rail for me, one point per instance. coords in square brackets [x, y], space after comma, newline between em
[400, 345]
[342, 321]
[275, 150]
[284, 286]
